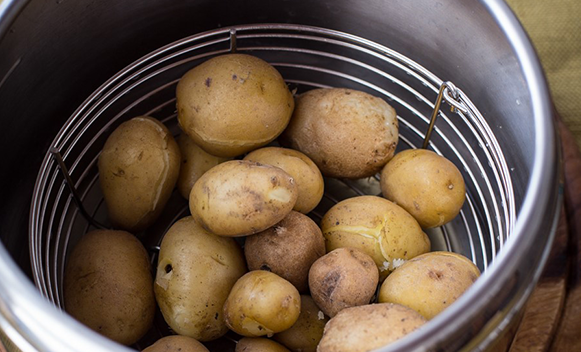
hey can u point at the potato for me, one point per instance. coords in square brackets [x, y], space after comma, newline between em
[261, 303]
[195, 162]
[287, 249]
[239, 198]
[108, 285]
[345, 277]
[305, 334]
[138, 170]
[366, 328]
[427, 185]
[347, 133]
[430, 282]
[304, 171]
[195, 272]
[176, 343]
[233, 103]
[376, 226]
[259, 344]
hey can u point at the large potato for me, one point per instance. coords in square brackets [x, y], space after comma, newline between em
[430, 282]
[366, 328]
[261, 303]
[195, 272]
[427, 185]
[347, 133]
[239, 198]
[287, 249]
[378, 227]
[259, 344]
[108, 285]
[195, 162]
[343, 278]
[304, 171]
[138, 170]
[232, 104]
[176, 343]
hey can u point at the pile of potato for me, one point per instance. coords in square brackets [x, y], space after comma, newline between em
[362, 278]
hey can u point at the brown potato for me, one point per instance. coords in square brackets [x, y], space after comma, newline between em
[305, 334]
[366, 328]
[345, 277]
[427, 185]
[260, 304]
[287, 249]
[347, 133]
[108, 285]
[302, 169]
[259, 344]
[239, 198]
[233, 103]
[176, 343]
[429, 283]
[138, 170]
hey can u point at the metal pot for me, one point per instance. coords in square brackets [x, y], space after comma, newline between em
[62, 60]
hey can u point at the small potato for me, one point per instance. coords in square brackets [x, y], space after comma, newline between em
[138, 170]
[304, 171]
[378, 227]
[305, 334]
[347, 133]
[287, 249]
[261, 303]
[369, 327]
[239, 198]
[195, 162]
[427, 185]
[430, 282]
[345, 277]
[108, 285]
[233, 103]
[176, 343]
[195, 272]
[259, 344]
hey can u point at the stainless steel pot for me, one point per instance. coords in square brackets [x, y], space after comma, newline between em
[63, 62]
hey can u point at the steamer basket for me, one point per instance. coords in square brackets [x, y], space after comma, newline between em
[505, 227]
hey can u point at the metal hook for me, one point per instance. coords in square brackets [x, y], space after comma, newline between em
[450, 94]
[232, 40]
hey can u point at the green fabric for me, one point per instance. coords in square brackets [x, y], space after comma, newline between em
[555, 30]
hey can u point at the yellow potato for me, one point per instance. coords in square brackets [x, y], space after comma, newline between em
[369, 327]
[259, 344]
[239, 198]
[430, 282]
[195, 272]
[138, 170]
[347, 133]
[376, 226]
[304, 171]
[176, 343]
[233, 103]
[108, 285]
[427, 185]
[261, 304]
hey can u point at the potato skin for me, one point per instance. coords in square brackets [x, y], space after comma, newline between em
[429, 283]
[427, 185]
[195, 272]
[347, 133]
[378, 227]
[138, 170]
[195, 162]
[108, 285]
[177, 343]
[305, 334]
[366, 328]
[260, 304]
[259, 344]
[233, 103]
[287, 249]
[239, 198]
[345, 277]
[304, 171]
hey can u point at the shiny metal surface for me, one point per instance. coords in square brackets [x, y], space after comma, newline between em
[55, 54]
